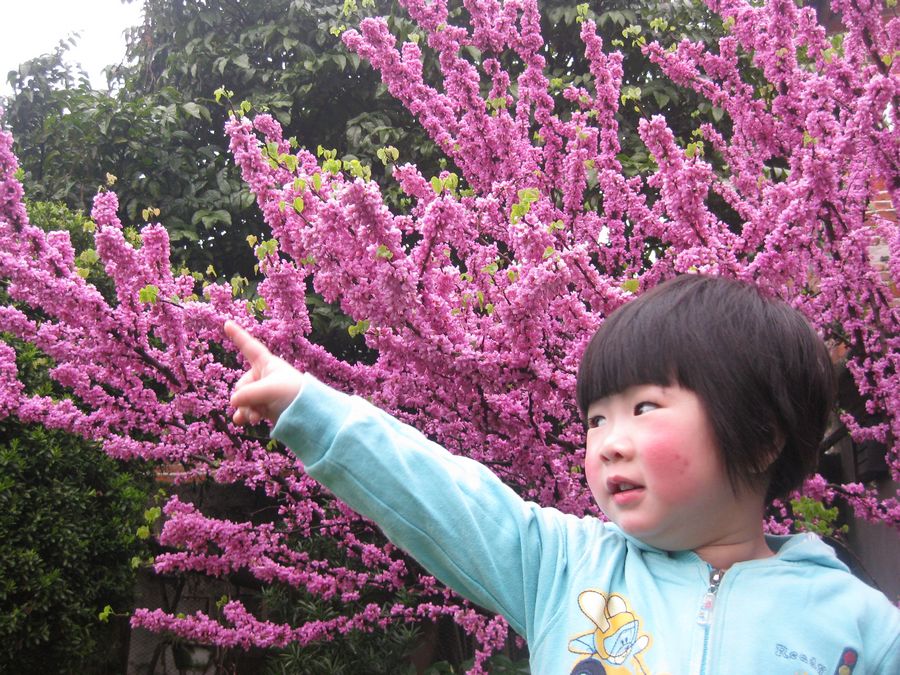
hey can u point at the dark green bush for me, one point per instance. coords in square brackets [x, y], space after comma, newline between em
[68, 518]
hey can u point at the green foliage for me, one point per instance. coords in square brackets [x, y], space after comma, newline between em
[499, 664]
[161, 131]
[811, 515]
[520, 209]
[68, 516]
[69, 139]
[148, 294]
[382, 652]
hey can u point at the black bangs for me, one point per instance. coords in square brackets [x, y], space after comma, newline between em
[633, 347]
[685, 331]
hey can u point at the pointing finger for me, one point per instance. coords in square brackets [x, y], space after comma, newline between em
[252, 349]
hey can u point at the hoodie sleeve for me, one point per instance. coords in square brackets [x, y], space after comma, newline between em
[450, 513]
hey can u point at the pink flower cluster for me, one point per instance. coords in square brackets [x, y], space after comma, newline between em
[477, 301]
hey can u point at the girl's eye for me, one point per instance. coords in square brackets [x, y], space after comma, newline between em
[644, 407]
[596, 421]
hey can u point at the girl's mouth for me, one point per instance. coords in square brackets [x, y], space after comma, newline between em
[623, 491]
[617, 485]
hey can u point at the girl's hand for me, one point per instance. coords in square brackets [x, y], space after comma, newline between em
[268, 388]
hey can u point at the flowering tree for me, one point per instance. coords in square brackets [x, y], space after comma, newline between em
[476, 302]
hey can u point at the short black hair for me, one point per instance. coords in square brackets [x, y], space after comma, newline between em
[762, 373]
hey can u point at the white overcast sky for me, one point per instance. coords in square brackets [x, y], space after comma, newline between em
[29, 28]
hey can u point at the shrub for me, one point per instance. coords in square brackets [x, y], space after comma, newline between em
[68, 517]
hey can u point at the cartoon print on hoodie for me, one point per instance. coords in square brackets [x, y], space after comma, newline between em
[616, 643]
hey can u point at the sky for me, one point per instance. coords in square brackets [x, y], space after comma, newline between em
[29, 28]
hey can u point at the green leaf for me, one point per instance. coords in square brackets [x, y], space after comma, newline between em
[149, 212]
[384, 252]
[88, 256]
[242, 61]
[238, 283]
[267, 248]
[359, 328]
[518, 211]
[191, 109]
[529, 195]
[490, 268]
[148, 294]
[298, 205]
[630, 93]
[661, 98]
[630, 285]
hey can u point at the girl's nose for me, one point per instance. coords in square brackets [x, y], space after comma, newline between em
[616, 446]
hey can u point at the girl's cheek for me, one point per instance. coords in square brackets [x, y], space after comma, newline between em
[591, 473]
[669, 469]
[594, 476]
[663, 459]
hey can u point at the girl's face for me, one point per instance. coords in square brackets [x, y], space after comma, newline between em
[654, 467]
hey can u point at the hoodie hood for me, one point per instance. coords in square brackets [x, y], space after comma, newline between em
[806, 547]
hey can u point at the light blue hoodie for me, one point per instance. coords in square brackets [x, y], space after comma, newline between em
[588, 598]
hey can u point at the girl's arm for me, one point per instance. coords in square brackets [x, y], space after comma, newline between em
[450, 513]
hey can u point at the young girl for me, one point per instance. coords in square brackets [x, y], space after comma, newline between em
[703, 400]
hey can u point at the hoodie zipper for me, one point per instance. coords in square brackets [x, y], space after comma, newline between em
[704, 616]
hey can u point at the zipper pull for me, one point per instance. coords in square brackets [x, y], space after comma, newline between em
[704, 616]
